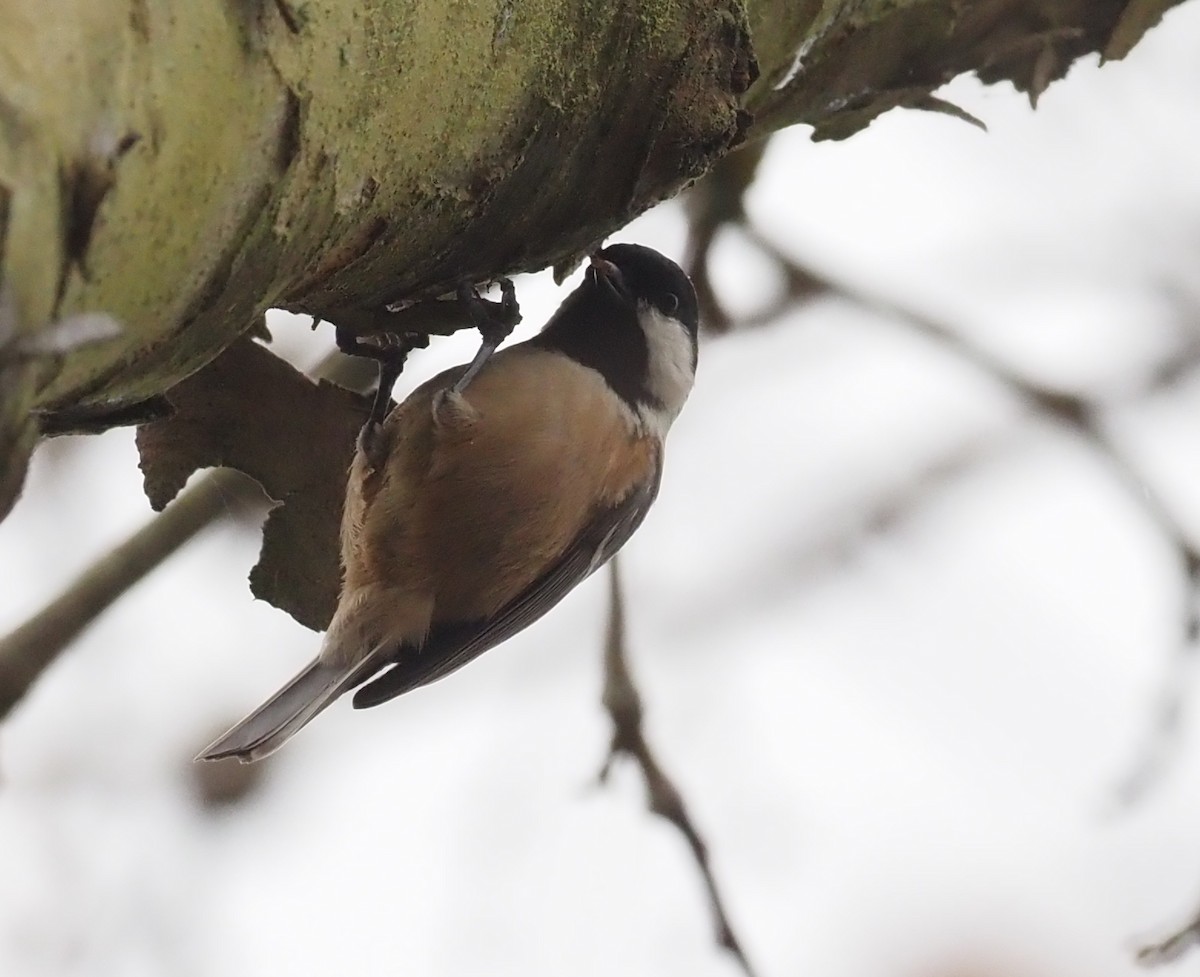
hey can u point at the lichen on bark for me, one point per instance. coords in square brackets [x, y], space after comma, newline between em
[183, 167]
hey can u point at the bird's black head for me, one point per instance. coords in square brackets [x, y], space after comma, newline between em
[639, 274]
[634, 320]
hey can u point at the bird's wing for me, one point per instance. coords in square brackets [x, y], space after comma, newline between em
[449, 647]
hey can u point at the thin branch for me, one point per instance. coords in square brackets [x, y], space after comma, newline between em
[718, 201]
[33, 647]
[623, 703]
[715, 203]
[1173, 947]
[1085, 418]
[29, 650]
[722, 204]
[1164, 737]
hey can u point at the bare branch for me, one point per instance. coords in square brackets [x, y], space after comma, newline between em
[29, 650]
[1163, 739]
[718, 202]
[1173, 947]
[33, 647]
[1085, 418]
[623, 703]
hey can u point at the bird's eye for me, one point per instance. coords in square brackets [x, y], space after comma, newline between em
[670, 303]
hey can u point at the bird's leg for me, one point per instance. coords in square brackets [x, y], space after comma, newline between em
[391, 360]
[495, 321]
[390, 357]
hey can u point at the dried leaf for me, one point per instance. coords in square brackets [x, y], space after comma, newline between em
[931, 103]
[252, 411]
[1137, 18]
[1046, 67]
[855, 61]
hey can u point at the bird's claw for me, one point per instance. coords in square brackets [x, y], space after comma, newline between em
[390, 352]
[494, 320]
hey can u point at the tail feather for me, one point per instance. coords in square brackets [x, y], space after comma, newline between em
[290, 709]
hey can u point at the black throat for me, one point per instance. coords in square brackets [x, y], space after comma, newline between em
[598, 330]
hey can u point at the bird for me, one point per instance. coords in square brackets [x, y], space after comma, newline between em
[478, 503]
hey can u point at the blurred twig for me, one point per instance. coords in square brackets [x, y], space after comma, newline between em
[1164, 736]
[624, 706]
[718, 202]
[714, 202]
[31, 648]
[1086, 418]
[1079, 413]
[1173, 947]
[26, 652]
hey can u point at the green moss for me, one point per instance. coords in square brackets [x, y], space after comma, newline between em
[357, 151]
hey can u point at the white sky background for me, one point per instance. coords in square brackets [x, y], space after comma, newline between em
[899, 638]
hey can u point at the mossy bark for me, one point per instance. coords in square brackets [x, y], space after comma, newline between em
[184, 166]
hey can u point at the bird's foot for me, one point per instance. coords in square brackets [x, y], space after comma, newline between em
[390, 352]
[451, 408]
[495, 322]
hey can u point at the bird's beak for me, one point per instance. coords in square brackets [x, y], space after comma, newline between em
[607, 273]
[604, 267]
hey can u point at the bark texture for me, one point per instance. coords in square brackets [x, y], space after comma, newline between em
[183, 166]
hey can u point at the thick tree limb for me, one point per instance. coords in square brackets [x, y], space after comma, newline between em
[350, 154]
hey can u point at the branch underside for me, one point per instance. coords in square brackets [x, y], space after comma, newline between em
[357, 158]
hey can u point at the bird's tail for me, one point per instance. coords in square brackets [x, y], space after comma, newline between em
[290, 709]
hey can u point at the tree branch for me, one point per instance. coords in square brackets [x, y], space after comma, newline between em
[33, 647]
[624, 706]
[1173, 947]
[29, 650]
[1085, 418]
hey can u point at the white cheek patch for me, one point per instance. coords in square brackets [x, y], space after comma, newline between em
[669, 372]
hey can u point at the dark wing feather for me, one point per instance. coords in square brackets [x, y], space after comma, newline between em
[449, 647]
